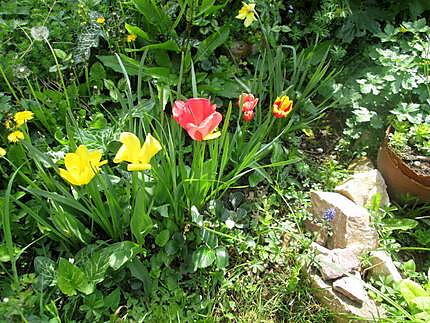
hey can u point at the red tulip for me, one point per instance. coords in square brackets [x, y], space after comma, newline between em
[248, 116]
[248, 101]
[198, 117]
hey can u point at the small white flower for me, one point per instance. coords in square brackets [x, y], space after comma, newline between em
[40, 33]
[5, 300]
[230, 223]
[71, 260]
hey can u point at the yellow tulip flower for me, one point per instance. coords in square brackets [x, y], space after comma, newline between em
[22, 117]
[247, 13]
[138, 156]
[81, 166]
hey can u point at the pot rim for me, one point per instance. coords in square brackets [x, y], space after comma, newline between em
[404, 167]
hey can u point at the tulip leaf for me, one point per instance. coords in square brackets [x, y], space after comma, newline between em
[411, 290]
[140, 223]
[71, 279]
[153, 14]
[211, 43]
[169, 45]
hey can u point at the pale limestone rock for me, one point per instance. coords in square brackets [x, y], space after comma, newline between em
[351, 223]
[362, 164]
[346, 310]
[337, 263]
[361, 187]
[318, 249]
[351, 287]
[382, 265]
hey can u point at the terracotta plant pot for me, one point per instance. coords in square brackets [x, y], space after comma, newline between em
[399, 177]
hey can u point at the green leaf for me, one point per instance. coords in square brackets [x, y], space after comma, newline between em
[221, 257]
[141, 223]
[411, 290]
[203, 257]
[44, 267]
[153, 14]
[169, 45]
[211, 43]
[71, 279]
[422, 302]
[131, 65]
[121, 252]
[95, 267]
[112, 300]
[399, 224]
[137, 31]
[139, 271]
[162, 238]
[255, 178]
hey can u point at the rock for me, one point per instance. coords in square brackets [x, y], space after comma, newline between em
[351, 287]
[337, 263]
[350, 224]
[345, 309]
[318, 249]
[361, 164]
[320, 232]
[361, 188]
[383, 265]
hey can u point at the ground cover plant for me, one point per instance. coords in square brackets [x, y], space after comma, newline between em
[156, 156]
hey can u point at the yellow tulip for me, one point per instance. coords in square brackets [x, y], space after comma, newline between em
[247, 13]
[138, 156]
[81, 166]
[22, 117]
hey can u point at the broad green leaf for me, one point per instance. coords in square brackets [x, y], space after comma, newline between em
[95, 267]
[130, 64]
[139, 271]
[221, 257]
[203, 257]
[137, 31]
[153, 14]
[211, 43]
[121, 252]
[411, 290]
[162, 238]
[112, 300]
[422, 302]
[71, 279]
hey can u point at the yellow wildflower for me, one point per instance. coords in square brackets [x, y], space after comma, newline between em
[8, 124]
[247, 13]
[81, 166]
[2, 152]
[131, 38]
[22, 117]
[15, 136]
[138, 156]
[101, 20]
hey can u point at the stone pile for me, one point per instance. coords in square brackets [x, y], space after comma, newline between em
[342, 225]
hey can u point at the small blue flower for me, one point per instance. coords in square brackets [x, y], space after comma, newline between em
[329, 214]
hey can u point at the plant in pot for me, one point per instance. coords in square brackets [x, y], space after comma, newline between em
[393, 90]
[404, 156]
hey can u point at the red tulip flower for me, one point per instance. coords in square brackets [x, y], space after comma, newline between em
[198, 117]
[248, 116]
[247, 102]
